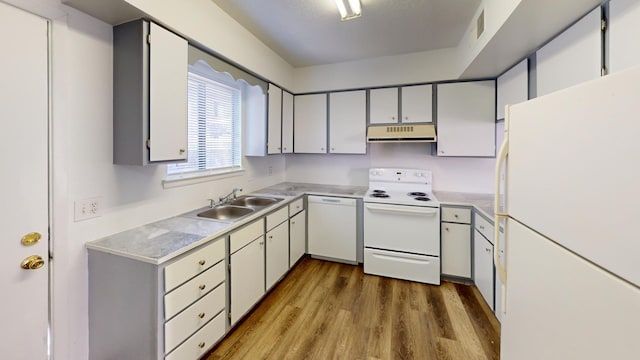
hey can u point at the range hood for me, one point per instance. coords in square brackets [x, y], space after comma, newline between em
[401, 133]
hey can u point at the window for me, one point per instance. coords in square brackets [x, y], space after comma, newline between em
[214, 134]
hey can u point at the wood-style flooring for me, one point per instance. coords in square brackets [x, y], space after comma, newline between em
[325, 310]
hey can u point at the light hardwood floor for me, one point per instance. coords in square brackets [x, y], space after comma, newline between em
[325, 310]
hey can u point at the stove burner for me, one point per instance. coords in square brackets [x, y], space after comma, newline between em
[422, 198]
[379, 191]
[379, 195]
[417, 193]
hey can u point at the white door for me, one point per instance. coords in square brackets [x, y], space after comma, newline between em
[23, 184]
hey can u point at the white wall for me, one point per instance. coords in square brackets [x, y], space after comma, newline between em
[449, 174]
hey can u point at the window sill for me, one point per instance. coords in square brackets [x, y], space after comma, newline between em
[177, 180]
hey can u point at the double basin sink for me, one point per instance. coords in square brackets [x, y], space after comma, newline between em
[238, 208]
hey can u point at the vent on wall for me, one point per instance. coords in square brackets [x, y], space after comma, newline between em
[480, 24]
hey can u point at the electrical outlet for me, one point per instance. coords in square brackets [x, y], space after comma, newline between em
[87, 208]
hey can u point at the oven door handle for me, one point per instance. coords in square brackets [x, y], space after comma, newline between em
[411, 210]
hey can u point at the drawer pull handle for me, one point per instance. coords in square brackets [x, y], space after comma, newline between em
[202, 262]
[481, 227]
[487, 250]
[293, 223]
[270, 236]
[201, 345]
[455, 215]
[446, 229]
[201, 315]
[202, 286]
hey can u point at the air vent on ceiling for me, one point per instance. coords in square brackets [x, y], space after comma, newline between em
[480, 24]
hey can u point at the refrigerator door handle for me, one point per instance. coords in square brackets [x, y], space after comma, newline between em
[500, 158]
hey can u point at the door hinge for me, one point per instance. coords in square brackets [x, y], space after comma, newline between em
[603, 71]
[603, 24]
[229, 266]
[149, 39]
[229, 315]
[148, 143]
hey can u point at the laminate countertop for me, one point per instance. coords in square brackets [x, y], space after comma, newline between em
[163, 240]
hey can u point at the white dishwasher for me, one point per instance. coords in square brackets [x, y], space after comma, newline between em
[331, 226]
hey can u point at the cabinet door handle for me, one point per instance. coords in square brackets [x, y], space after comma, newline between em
[270, 237]
[487, 250]
[201, 315]
[182, 151]
[201, 345]
[481, 227]
[202, 262]
[202, 286]
[455, 216]
[261, 243]
[446, 229]
[293, 223]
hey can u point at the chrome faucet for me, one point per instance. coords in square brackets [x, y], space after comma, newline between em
[225, 199]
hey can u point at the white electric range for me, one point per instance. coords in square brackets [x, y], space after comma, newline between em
[402, 225]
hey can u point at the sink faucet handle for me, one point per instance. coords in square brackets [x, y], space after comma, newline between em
[212, 202]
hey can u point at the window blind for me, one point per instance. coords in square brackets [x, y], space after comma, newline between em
[214, 126]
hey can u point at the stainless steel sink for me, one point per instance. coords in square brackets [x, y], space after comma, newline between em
[226, 212]
[254, 201]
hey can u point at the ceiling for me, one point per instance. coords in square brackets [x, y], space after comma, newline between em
[309, 32]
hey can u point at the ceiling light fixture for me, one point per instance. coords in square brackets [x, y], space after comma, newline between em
[349, 9]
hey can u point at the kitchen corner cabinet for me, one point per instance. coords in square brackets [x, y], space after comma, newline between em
[150, 69]
[247, 249]
[274, 120]
[287, 122]
[310, 124]
[383, 106]
[417, 104]
[513, 87]
[466, 119]
[483, 270]
[348, 122]
[139, 310]
[456, 242]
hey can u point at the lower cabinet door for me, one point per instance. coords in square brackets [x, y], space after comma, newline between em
[456, 250]
[277, 253]
[483, 267]
[247, 278]
[297, 237]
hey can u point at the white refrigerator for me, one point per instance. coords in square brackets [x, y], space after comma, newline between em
[571, 269]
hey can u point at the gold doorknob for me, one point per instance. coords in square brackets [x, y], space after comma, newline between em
[33, 262]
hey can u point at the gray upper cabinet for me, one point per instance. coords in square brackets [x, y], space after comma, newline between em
[513, 87]
[466, 119]
[575, 56]
[624, 27]
[416, 104]
[150, 94]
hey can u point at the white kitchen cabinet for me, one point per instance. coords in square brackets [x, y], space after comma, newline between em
[383, 106]
[274, 120]
[297, 237]
[332, 228]
[417, 104]
[287, 122]
[513, 87]
[247, 274]
[456, 250]
[310, 124]
[150, 68]
[348, 122]
[624, 27]
[466, 119]
[483, 267]
[573, 57]
[277, 253]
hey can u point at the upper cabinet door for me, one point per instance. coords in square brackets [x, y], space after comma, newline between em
[348, 122]
[575, 56]
[513, 87]
[416, 104]
[466, 119]
[287, 122]
[383, 106]
[310, 119]
[274, 120]
[624, 27]
[167, 95]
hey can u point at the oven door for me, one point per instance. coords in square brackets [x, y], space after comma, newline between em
[412, 229]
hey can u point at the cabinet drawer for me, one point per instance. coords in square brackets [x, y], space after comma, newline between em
[296, 206]
[458, 215]
[484, 227]
[186, 294]
[190, 320]
[276, 218]
[193, 264]
[198, 344]
[246, 235]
